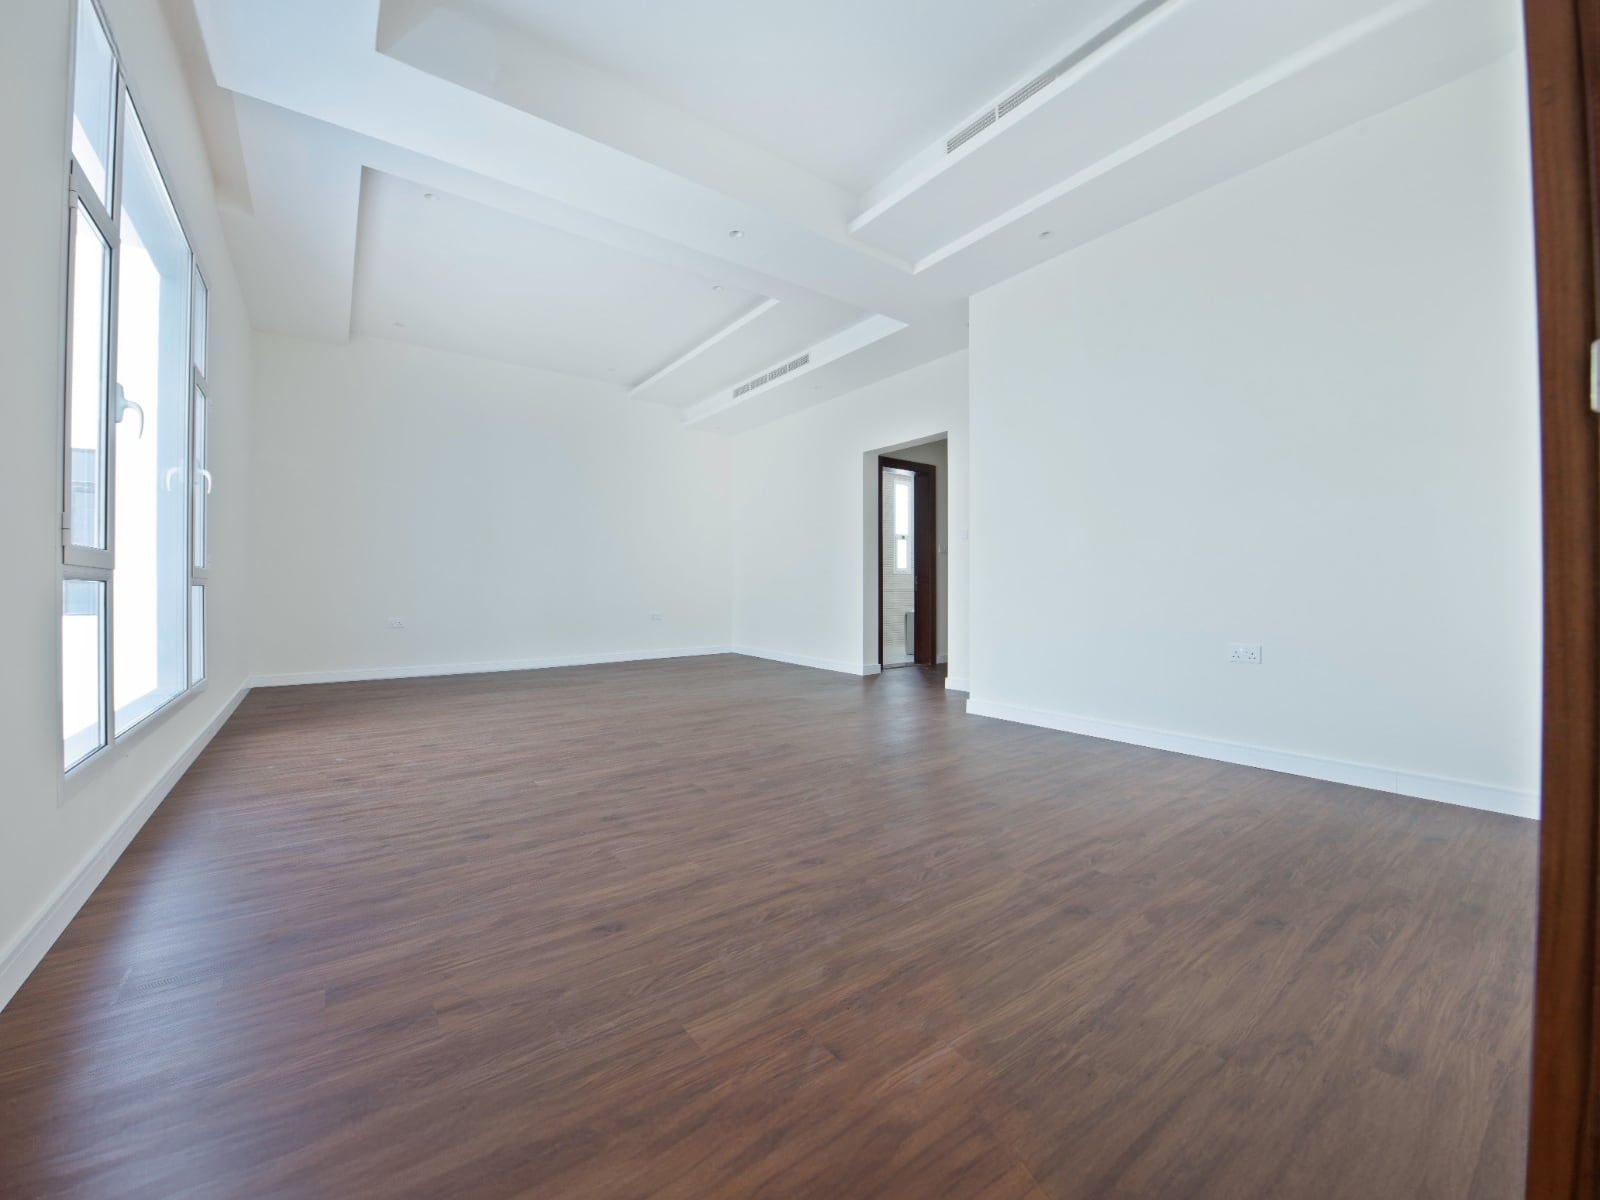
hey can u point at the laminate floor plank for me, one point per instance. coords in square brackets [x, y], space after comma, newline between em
[718, 928]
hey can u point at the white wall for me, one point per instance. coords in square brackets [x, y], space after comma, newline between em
[51, 840]
[1299, 409]
[506, 516]
[805, 504]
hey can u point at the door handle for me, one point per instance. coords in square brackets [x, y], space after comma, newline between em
[123, 405]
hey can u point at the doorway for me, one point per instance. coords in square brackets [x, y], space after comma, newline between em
[908, 549]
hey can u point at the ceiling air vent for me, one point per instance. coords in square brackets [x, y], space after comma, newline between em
[1045, 78]
[794, 364]
[1034, 86]
[967, 132]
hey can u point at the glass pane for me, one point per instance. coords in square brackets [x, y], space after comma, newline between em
[201, 322]
[898, 597]
[201, 480]
[197, 634]
[86, 384]
[83, 620]
[94, 94]
[151, 579]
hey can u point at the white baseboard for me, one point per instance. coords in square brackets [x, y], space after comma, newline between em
[1510, 801]
[801, 660]
[29, 948]
[365, 674]
[957, 683]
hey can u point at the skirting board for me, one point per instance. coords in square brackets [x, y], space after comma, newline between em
[800, 660]
[364, 674]
[957, 683]
[24, 954]
[1510, 801]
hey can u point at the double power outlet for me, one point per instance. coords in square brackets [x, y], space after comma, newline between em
[1245, 652]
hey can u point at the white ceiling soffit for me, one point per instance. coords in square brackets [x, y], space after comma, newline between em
[841, 89]
[1390, 57]
[591, 141]
[768, 334]
[1088, 121]
[873, 349]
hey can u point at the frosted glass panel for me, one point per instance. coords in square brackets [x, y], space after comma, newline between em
[86, 385]
[201, 479]
[197, 633]
[899, 599]
[202, 322]
[83, 616]
[94, 101]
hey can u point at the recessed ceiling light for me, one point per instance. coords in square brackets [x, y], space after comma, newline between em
[736, 234]
[1046, 234]
[429, 196]
[716, 287]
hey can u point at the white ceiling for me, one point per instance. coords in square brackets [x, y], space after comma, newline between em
[590, 160]
[842, 88]
[461, 276]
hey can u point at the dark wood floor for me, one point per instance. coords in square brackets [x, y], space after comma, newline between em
[723, 928]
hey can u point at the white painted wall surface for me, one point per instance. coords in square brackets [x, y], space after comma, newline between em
[53, 840]
[1299, 409]
[804, 502]
[506, 516]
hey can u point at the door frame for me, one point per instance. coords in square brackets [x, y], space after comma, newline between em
[1563, 54]
[924, 565]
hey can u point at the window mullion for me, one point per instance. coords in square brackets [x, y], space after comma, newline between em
[92, 208]
[73, 202]
[113, 322]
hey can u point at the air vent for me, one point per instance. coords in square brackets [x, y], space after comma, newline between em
[1034, 86]
[778, 372]
[967, 132]
[1045, 78]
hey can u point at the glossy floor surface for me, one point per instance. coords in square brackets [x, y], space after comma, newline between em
[723, 928]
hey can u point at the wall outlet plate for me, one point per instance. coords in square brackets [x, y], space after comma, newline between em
[1245, 652]
[396, 623]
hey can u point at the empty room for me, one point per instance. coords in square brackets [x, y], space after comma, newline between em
[930, 598]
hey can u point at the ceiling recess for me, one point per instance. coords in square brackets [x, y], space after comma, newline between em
[1020, 96]
[794, 364]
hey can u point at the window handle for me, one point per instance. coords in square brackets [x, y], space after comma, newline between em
[172, 473]
[206, 476]
[123, 405]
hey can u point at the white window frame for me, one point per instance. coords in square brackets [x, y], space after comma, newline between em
[94, 563]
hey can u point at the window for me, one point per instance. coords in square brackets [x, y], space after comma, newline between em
[902, 525]
[83, 619]
[133, 515]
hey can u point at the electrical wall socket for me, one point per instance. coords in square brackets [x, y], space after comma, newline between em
[1245, 652]
[655, 616]
[396, 623]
